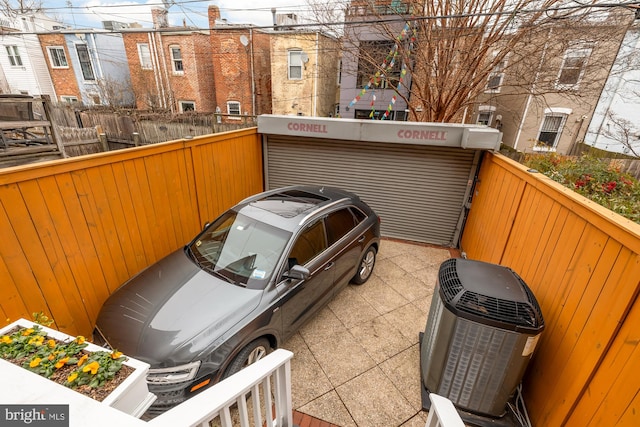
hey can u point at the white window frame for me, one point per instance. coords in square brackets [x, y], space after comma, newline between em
[68, 99]
[294, 61]
[177, 64]
[182, 104]
[575, 52]
[14, 55]
[496, 73]
[145, 57]
[234, 113]
[562, 113]
[53, 58]
[486, 109]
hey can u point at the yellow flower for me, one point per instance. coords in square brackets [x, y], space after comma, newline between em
[62, 362]
[27, 332]
[6, 339]
[80, 339]
[37, 340]
[83, 359]
[116, 354]
[92, 367]
[71, 378]
[51, 343]
[52, 356]
[35, 362]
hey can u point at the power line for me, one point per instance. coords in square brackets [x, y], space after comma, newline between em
[319, 25]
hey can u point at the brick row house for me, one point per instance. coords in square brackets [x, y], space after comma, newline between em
[88, 67]
[242, 66]
[170, 67]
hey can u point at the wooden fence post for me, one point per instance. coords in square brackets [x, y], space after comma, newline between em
[103, 141]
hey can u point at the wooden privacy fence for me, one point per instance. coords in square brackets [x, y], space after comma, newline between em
[73, 230]
[582, 263]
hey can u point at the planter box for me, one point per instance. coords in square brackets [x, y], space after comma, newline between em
[132, 396]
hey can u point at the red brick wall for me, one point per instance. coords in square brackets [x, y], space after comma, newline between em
[194, 84]
[232, 69]
[64, 79]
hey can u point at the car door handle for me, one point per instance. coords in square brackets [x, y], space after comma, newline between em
[328, 266]
[361, 239]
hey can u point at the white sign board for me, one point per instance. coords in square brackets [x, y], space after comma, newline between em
[434, 134]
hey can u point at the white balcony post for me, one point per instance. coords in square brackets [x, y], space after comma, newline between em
[443, 413]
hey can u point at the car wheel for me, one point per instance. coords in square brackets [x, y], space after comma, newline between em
[253, 352]
[365, 268]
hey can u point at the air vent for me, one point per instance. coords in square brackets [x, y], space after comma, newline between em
[492, 292]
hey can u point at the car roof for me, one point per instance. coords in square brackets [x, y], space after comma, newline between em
[288, 207]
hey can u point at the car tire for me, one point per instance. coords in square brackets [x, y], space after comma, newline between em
[365, 267]
[253, 352]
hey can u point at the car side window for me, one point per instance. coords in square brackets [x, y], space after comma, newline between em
[360, 216]
[310, 243]
[339, 223]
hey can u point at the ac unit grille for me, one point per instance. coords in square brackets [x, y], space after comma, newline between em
[517, 313]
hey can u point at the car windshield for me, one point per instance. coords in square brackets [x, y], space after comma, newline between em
[240, 249]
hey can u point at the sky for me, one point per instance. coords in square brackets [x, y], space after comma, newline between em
[91, 13]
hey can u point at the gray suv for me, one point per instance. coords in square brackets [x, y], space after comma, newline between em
[240, 288]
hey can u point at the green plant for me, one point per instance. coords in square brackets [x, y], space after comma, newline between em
[33, 350]
[595, 179]
[42, 319]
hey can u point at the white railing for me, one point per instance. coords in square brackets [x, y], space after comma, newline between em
[442, 413]
[264, 386]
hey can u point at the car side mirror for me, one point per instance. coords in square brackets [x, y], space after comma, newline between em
[297, 272]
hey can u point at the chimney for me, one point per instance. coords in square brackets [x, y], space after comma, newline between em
[160, 17]
[214, 15]
[273, 13]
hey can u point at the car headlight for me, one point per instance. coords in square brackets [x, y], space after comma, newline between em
[173, 375]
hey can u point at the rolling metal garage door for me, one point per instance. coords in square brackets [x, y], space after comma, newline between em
[419, 190]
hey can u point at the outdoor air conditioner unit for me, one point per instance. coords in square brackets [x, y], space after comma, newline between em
[482, 329]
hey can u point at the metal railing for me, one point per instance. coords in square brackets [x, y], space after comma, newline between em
[442, 413]
[258, 395]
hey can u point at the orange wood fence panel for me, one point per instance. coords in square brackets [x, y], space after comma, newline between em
[582, 262]
[73, 230]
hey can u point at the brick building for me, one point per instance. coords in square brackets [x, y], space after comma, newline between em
[242, 67]
[171, 67]
[55, 49]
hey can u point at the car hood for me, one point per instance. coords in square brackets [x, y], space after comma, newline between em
[172, 311]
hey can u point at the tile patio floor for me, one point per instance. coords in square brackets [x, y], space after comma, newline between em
[357, 362]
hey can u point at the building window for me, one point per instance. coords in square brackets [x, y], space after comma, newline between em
[14, 56]
[497, 76]
[85, 62]
[233, 108]
[57, 57]
[573, 65]
[551, 130]
[485, 115]
[69, 99]
[176, 59]
[373, 64]
[187, 106]
[145, 56]
[295, 65]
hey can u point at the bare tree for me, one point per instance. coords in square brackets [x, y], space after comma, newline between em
[623, 132]
[453, 51]
[17, 7]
